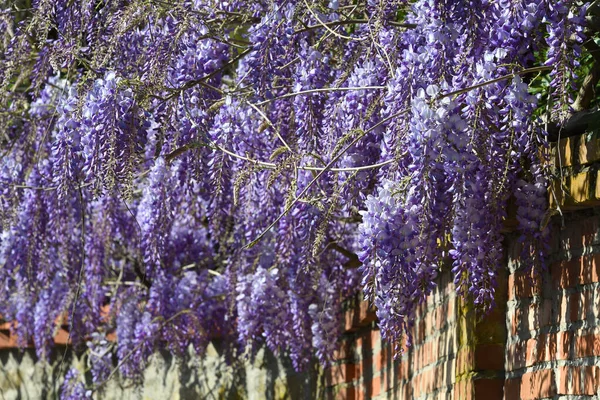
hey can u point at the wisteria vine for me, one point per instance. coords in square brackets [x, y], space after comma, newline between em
[176, 173]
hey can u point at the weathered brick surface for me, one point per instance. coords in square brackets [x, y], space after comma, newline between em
[553, 319]
[451, 348]
[537, 385]
[366, 368]
[542, 341]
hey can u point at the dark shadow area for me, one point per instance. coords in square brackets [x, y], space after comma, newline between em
[303, 385]
[367, 363]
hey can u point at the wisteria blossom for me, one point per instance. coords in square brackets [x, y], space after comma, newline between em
[173, 174]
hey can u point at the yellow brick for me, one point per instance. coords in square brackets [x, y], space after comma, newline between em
[588, 150]
[563, 157]
[580, 187]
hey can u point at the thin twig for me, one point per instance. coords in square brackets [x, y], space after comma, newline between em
[316, 178]
[324, 25]
[351, 22]
[194, 82]
[262, 114]
[502, 78]
[337, 156]
[318, 90]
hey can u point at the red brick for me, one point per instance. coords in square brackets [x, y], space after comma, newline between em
[62, 319]
[62, 337]
[369, 339]
[563, 345]
[424, 382]
[418, 385]
[379, 360]
[564, 309]
[549, 347]
[343, 373]
[590, 269]
[363, 339]
[574, 307]
[427, 353]
[578, 380]
[566, 273]
[575, 380]
[428, 324]
[523, 285]
[440, 377]
[377, 385]
[584, 303]
[440, 314]
[443, 314]
[537, 384]
[516, 321]
[105, 313]
[421, 308]
[347, 393]
[366, 361]
[8, 341]
[532, 316]
[489, 357]
[563, 378]
[359, 316]
[512, 388]
[464, 360]
[591, 379]
[420, 332]
[515, 357]
[360, 393]
[386, 381]
[545, 313]
[401, 369]
[587, 345]
[419, 361]
[344, 351]
[428, 381]
[464, 390]
[415, 383]
[111, 336]
[489, 389]
[536, 350]
[450, 310]
[589, 230]
[494, 317]
[375, 337]
[403, 391]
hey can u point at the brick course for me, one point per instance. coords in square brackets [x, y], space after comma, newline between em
[542, 341]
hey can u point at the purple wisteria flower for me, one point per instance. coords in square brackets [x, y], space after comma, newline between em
[175, 174]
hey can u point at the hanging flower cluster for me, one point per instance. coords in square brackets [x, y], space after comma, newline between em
[213, 169]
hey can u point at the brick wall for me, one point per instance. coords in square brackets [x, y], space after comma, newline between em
[456, 354]
[541, 341]
[553, 344]
[366, 368]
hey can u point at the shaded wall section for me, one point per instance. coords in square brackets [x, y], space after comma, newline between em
[267, 378]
